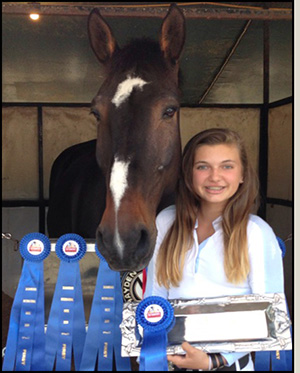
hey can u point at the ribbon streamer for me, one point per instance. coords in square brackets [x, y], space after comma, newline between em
[275, 360]
[156, 316]
[25, 349]
[103, 338]
[66, 325]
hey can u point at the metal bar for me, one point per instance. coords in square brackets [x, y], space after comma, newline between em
[87, 105]
[284, 101]
[90, 245]
[226, 106]
[21, 203]
[45, 104]
[42, 212]
[152, 11]
[264, 124]
[279, 201]
[225, 62]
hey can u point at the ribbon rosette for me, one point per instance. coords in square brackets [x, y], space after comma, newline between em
[66, 324]
[156, 316]
[103, 338]
[25, 349]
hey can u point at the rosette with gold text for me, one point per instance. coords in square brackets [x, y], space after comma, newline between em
[25, 348]
[103, 340]
[66, 325]
[156, 316]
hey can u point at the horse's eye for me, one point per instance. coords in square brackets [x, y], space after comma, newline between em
[169, 112]
[96, 113]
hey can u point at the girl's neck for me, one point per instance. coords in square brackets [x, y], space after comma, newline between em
[209, 212]
[206, 215]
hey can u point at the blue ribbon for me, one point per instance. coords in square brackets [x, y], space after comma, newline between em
[280, 361]
[66, 325]
[104, 336]
[282, 246]
[25, 349]
[275, 360]
[156, 316]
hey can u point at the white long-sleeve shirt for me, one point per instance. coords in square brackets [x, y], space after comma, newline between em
[204, 275]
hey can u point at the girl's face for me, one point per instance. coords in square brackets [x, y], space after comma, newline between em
[217, 173]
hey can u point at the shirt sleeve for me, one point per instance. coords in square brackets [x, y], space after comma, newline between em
[232, 357]
[266, 266]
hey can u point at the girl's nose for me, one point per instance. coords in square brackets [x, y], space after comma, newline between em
[215, 174]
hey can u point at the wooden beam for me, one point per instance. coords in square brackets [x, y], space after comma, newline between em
[190, 12]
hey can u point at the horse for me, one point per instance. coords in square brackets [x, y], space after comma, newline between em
[113, 187]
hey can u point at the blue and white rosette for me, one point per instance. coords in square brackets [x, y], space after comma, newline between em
[25, 348]
[66, 325]
[103, 340]
[156, 316]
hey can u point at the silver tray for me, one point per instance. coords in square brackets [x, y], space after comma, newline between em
[254, 322]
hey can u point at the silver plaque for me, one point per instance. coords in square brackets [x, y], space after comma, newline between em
[254, 322]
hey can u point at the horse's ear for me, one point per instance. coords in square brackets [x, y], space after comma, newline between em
[172, 33]
[101, 37]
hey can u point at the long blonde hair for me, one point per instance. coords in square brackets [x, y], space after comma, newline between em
[179, 238]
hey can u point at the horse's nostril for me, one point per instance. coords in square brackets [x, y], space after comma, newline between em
[144, 238]
[142, 244]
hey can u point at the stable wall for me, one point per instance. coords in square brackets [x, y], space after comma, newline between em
[65, 126]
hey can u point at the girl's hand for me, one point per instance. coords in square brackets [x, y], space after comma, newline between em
[193, 359]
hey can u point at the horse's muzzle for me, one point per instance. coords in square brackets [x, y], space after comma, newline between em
[129, 250]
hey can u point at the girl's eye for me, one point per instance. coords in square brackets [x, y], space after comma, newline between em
[202, 167]
[228, 167]
[96, 113]
[169, 112]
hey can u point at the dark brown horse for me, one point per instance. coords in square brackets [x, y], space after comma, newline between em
[118, 193]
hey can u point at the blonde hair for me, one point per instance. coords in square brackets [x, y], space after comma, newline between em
[179, 238]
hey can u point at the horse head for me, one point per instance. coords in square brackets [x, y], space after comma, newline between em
[138, 136]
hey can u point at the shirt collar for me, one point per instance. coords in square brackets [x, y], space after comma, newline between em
[216, 223]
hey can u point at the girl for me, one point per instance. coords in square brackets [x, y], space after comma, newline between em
[210, 244]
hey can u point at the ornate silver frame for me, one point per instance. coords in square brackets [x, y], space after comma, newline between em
[254, 322]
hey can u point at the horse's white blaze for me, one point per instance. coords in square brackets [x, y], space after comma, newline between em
[118, 185]
[118, 242]
[118, 180]
[125, 88]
